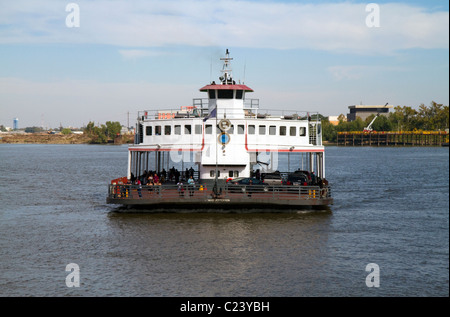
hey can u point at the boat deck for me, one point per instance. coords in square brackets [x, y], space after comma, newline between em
[254, 196]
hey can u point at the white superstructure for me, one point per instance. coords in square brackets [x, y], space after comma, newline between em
[246, 131]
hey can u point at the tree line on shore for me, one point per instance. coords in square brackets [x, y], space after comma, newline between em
[103, 133]
[403, 118]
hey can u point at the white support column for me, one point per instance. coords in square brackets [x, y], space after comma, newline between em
[323, 165]
[129, 165]
[310, 162]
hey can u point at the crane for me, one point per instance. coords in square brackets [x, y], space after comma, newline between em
[369, 127]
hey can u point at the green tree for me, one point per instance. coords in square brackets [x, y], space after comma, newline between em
[404, 118]
[97, 134]
[355, 125]
[89, 128]
[66, 131]
[328, 131]
[33, 129]
[444, 118]
[113, 129]
[395, 118]
[342, 118]
[381, 123]
[434, 117]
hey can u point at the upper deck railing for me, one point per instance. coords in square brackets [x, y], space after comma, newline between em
[250, 112]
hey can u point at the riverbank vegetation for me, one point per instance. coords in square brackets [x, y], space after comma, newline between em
[110, 132]
[103, 133]
[403, 118]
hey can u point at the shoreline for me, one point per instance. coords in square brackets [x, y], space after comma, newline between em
[44, 138]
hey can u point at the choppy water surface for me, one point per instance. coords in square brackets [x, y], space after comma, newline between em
[391, 208]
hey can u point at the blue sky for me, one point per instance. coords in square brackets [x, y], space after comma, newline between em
[128, 56]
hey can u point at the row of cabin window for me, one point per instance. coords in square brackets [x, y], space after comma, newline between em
[262, 130]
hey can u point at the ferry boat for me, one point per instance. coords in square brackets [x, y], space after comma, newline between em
[232, 148]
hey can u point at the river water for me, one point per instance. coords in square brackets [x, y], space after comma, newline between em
[391, 208]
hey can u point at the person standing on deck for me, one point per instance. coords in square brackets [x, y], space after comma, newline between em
[180, 188]
[249, 188]
[313, 179]
[156, 179]
[156, 183]
[191, 184]
[139, 187]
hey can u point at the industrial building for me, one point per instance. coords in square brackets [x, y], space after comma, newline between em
[364, 111]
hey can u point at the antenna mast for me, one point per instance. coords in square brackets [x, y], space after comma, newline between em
[226, 78]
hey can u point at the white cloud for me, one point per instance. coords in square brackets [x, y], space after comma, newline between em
[141, 24]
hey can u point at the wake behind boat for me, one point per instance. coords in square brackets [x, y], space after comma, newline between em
[232, 147]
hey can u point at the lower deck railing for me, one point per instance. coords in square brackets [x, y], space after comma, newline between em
[198, 192]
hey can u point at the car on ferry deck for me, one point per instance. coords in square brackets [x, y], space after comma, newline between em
[272, 178]
[307, 173]
[297, 179]
[243, 184]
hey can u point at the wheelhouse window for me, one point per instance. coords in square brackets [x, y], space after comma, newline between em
[262, 130]
[302, 131]
[187, 129]
[212, 94]
[167, 130]
[158, 130]
[177, 129]
[198, 129]
[208, 129]
[282, 130]
[225, 94]
[240, 129]
[148, 130]
[292, 131]
[272, 130]
[231, 130]
[239, 94]
[251, 129]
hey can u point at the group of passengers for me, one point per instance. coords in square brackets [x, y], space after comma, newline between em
[150, 178]
[153, 178]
